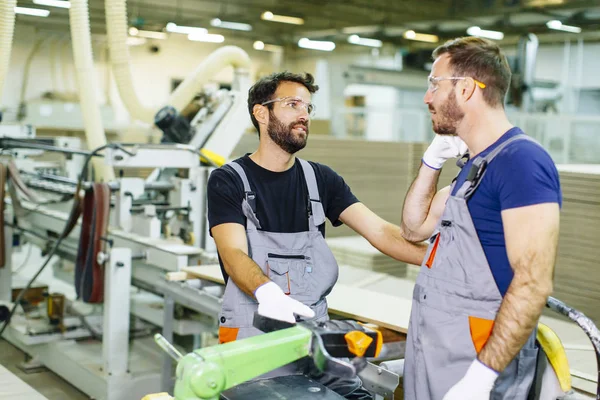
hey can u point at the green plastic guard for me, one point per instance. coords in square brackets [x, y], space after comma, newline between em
[205, 373]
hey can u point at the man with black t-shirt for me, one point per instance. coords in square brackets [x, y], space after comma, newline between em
[267, 215]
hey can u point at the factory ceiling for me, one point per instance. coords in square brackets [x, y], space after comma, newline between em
[335, 20]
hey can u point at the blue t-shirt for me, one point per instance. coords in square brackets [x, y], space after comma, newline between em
[521, 175]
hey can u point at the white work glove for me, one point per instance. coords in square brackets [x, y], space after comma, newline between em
[442, 148]
[477, 383]
[273, 303]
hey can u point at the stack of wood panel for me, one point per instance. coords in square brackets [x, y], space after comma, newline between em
[577, 273]
[357, 252]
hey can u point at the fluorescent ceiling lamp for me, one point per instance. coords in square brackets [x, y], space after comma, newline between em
[543, 3]
[355, 39]
[206, 37]
[133, 31]
[236, 26]
[367, 29]
[558, 26]
[284, 19]
[259, 45]
[420, 37]
[53, 3]
[477, 31]
[35, 12]
[322, 45]
[187, 30]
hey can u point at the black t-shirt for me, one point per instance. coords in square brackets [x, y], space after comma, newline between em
[281, 197]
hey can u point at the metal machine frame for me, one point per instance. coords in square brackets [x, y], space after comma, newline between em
[107, 370]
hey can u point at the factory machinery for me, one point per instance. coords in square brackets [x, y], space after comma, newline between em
[109, 240]
[90, 311]
[108, 267]
[109, 290]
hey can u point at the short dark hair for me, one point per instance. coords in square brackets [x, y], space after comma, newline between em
[265, 88]
[480, 59]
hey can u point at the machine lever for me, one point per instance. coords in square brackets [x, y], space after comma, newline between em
[167, 347]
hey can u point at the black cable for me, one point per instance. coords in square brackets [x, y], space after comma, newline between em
[62, 236]
[95, 335]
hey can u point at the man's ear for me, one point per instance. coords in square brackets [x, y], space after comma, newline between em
[260, 113]
[467, 89]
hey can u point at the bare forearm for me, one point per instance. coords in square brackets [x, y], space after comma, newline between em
[518, 316]
[246, 274]
[418, 202]
[393, 244]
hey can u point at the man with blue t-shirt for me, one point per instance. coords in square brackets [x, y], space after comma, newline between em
[492, 237]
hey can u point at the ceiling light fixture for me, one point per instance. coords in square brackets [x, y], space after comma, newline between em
[284, 19]
[34, 12]
[53, 3]
[543, 3]
[133, 31]
[236, 26]
[322, 45]
[206, 37]
[355, 39]
[357, 30]
[187, 30]
[559, 26]
[259, 45]
[477, 31]
[420, 37]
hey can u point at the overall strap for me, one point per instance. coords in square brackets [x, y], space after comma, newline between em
[249, 201]
[316, 214]
[479, 167]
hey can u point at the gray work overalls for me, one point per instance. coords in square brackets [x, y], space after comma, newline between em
[455, 302]
[300, 263]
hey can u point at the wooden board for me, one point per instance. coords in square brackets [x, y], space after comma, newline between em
[345, 301]
[577, 276]
[210, 273]
[11, 387]
[357, 252]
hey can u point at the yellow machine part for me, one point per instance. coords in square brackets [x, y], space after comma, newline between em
[358, 342]
[157, 396]
[190, 238]
[554, 350]
[379, 343]
[210, 157]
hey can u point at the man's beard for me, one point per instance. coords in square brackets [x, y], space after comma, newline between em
[449, 116]
[283, 137]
